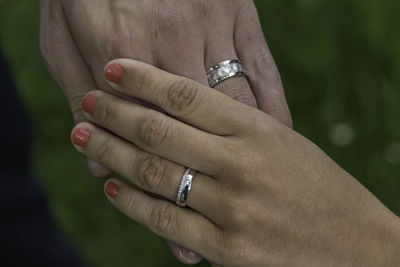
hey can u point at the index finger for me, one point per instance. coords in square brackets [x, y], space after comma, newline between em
[182, 98]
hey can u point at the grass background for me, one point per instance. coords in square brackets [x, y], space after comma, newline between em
[340, 64]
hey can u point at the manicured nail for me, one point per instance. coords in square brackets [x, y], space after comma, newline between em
[190, 255]
[80, 137]
[111, 189]
[88, 103]
[114, 73]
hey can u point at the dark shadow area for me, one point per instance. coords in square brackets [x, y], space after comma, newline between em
[29, 236]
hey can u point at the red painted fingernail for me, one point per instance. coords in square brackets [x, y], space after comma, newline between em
[88, 103]
[114, 73]
[111, 189]
[80, 137]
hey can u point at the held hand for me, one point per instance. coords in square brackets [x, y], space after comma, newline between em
[263, 194]
[182, 37]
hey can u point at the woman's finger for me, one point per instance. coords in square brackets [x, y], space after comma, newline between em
[182, 226]
[263, 74]
[182, 98]
[158, 133]
[151, 173]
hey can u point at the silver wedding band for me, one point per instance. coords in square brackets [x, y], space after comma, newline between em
[225, 70]
[184, 187]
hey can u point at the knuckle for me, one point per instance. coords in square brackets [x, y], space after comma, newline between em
[233, 246]
[115, 45]
[119, 45]
[237, 215]
[173, 17]
[239, 90]
[103, 148]
[128, 206]
[220, 246]
[264, 67]
[153, 131]
[181, 95]
[205, 8]
[151, 173]
[163, 219]
[238, 246]
[105, 113]
[233, 151]
[245, 98]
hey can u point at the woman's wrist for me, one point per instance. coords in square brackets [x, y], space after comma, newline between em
[382, 245]
[371, 237]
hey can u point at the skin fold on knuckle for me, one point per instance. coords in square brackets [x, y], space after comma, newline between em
[102, 148]
[104, 112]
[163, 219]
[238, 93]
[151, 172]
[154, 131]
[173, 18]
[181, 96]
[126, 202]
[119, 45]
[218, 247]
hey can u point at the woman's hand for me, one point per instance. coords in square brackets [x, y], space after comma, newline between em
[263, 194]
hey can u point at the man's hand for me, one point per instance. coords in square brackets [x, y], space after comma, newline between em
[183, 37]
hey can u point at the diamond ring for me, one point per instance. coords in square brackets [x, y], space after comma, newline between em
[225, 70]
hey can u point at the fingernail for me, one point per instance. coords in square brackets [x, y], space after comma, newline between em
[80, 137]
[111, 189]
[114, 73]
[88, 103]
[190, 255]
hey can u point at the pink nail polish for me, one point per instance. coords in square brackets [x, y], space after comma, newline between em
[111, 189]
[80, 137]
[114, 73]
[89, 103]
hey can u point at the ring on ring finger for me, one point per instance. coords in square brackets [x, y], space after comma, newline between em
[225, 70]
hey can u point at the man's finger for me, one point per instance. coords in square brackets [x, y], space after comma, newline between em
[220, 48]
[67, 66]
[263, 74]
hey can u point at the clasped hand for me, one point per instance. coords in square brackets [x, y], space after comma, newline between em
[182, 37]
[263, 195]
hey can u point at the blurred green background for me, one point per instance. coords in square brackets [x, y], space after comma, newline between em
[340, 64]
